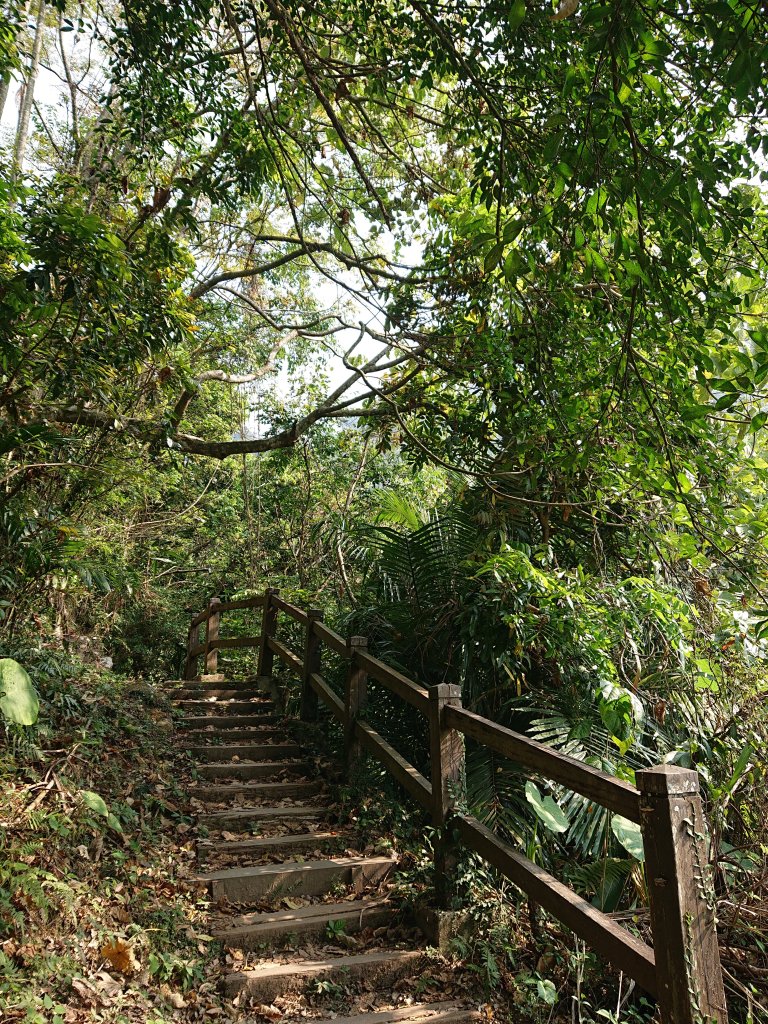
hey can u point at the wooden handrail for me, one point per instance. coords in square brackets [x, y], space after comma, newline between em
[409, 777]
[682, 970]
[200, 617]
[291, 609]
[596, 785]
[246, 602]
[293, 661]
[333, 640]
[603, 934]
[236, 642]
[395, 681]
[331, 699]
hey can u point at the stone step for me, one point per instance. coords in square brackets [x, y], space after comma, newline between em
[236, 705]
[211, 693]
[218, 755]
[253, 734]
[249, 931]
[265, 982]
[249, 683]
[301, 842]
[242, 818]
[226, 709]
[257, 770]
[228, 721]
[308, 878]
[262, 790]
[416, 1013]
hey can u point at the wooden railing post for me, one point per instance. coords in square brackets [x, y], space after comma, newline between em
[312, 657]
[354, 698]
[268, 629]
[211, 635]
[681, 897]
[446, 754]
[193, 639]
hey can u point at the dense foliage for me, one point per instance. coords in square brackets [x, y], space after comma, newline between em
[448, 317]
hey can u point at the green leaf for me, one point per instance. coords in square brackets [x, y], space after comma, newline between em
[114, 823]
[18, 699]
[654, 85]
[629, 835]
[546, 991]
[547, 811]
[94, 802]
[493, 257]
[516, 14]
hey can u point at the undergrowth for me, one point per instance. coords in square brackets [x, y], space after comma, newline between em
[97, 921]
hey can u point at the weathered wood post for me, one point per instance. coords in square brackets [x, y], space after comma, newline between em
[193, 641]
[211, 636]
[312, 658]
[354, 697]
[681, 897]
[446, 755]
[268, 630]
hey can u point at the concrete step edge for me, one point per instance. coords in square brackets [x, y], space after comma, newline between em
[245, 751]
[315, 911]
[296, 867]
[428, 1013]
[266, 981]
[245, 813]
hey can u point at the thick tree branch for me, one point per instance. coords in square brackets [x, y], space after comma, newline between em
[365, 265]
[151, 432]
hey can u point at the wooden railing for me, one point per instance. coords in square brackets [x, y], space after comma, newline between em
[682, 970]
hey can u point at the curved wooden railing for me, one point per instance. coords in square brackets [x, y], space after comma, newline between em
[682, 970]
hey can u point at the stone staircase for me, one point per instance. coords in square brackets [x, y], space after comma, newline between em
[281, 875]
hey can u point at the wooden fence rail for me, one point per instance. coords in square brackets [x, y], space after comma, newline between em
[682, 970]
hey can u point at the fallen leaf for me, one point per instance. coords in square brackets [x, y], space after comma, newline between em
[89, 996]
[108, 985]
[121, 956]
[271, 1012]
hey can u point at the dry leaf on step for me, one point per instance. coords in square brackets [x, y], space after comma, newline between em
[176, 999]
[107, 985]
[87, 993]
[270, 1012]
[120, 955]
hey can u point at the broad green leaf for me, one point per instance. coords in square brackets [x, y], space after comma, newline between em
[547, 811]
[94, 802]
[629, 835]
[18, 698]
[516, 14]
[546, 991]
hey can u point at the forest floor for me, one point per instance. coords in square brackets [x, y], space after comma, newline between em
[101, 918]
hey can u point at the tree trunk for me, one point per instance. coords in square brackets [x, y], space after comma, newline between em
[22, 130]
